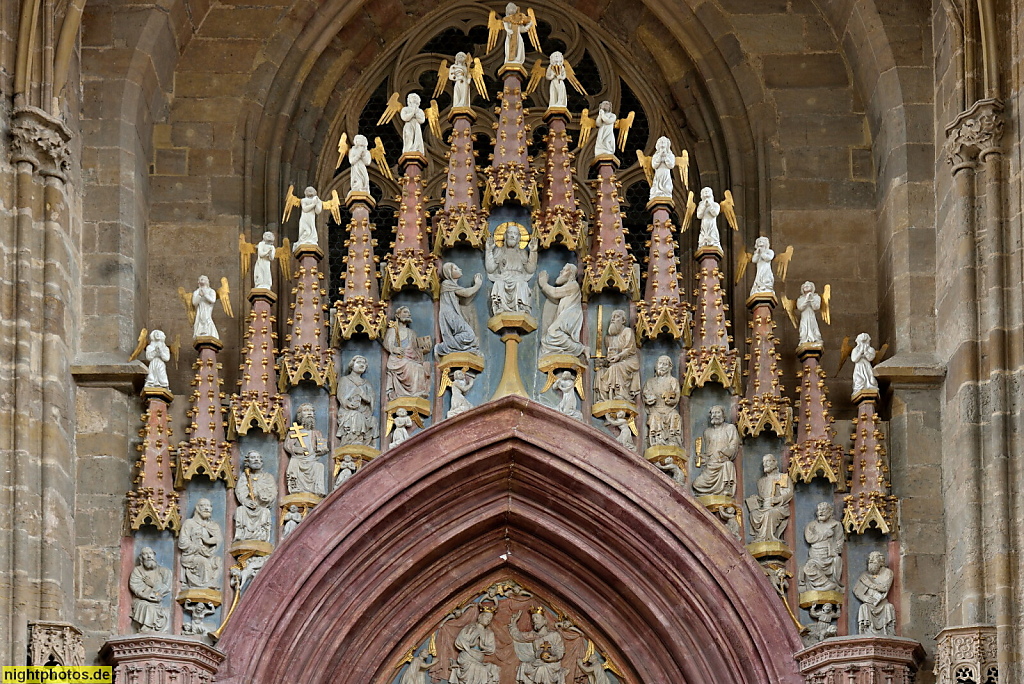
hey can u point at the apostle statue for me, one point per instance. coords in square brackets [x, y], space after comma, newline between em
[359, 159]
[876, 616]
[563, 313]
[556, 76]
[618, 373]
[158, 355]
[769, 508]
[604, 142]
[412, 131]
[203, 299]
[256, 491]
[540, 651]
[456, 312]
[406, 374]
[862, 356]
[475, 643]
[510, 268]
[662, 163]
[149, 583]
[305, 445]
[199, 542]
[807, 304]
[764, 278]
[823, 570]
[719, 445]
[707, 213]
[516, 24]
[661, 397]
[356, 421]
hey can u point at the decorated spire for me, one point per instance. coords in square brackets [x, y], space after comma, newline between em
[662, 310]
[610, 265]
[257, 403]
[307, 356]
[152, 499]
[410, 263]
[869, 501]
[815, 453]
[510, 178]
[461, 220]
[559, 218]
[764, 407]
[360, 309]
[205, 450]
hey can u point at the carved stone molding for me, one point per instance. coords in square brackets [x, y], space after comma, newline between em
[161, 659]
[58, 642]
[861, 660]
[41, 140]
[967, 654]
[975, 133]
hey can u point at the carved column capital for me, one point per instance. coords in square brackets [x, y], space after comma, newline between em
[974, 134]
[966, 654]
[861, 660]
[41, 140]
[58, 642]
[164, 659]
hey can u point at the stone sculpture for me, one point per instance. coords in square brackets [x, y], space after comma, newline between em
[291, 520]
[764, 278]
[239, 577]
[863, 373]
[199, 542]
[594, 669]
[563, 313]
[662, 163]
[149, 583]
[459, 74]
[261, 273]
[510, 268]
[197, 611]
[618, 373]
[728, 515]
[346, 469]
[407, 374]
[707, 212]
[256, 491]
[357, 423]
[556, 76]
[823, 570]
[416, 673]
[311, 206]
[604, 142]
[455, 313]
[807, 304]
[516, 24]
[769, 508]
[569, 404]
[412, 131]
[673, 469]
[475, 643]
[822, 628]
[620, 420]
[402, 424]
[462, 382]
[305, 445]
[719, 445]
[876, 616]
[661, 397]
[359, 159]
[203, 299]
[158, 354]
[540, 651]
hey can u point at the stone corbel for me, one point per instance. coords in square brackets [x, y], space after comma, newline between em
[161, 659]
[861, 660]
[974, 134]
[55, 642]
[41, 140]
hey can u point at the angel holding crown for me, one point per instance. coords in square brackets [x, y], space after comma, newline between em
[540, 651]
[460, 73]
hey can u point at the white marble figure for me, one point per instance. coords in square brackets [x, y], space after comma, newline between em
[707, 211]
[556, 88]
[594, 669]
[403, 423]
[291, 520]
[203, 299]
[346, 469]
[197, 611]
[462, 382]
[416, 673]
[359, 159]
[458, 74]
[661, 397]
[540, 651]
[261, 272]
[823, 570]
[158, 355]
[764, 278]
[256, 491]
[617, 375]
[564, 309]
[199, 542]
[510, 268]
[305, 445]
[516, 24]
[807, 303]
[406, 374]
[673, 469]
[604, 142]
[412, 131]
[569, 404]
[719, 445]
[863, 373]
[728, 516]
[455, 314]
[769, 508]
[149, 583]
[356, 398]
[876, 616]
[662, 163]
[824, 615]
[239, 577]
[475, 642]
[620, 421]
[312, 206]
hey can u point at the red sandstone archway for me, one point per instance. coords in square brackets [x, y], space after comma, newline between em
[639, 563]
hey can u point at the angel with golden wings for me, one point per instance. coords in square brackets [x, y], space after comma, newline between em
[558, 72]
[515, 24]
[311, 207]
[414, 117]
[265, 252]
[707, 213]
[658, 167]
[606, 122]
[460, 73]
[199, 305]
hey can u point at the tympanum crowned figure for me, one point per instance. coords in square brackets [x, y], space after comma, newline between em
[540, 650]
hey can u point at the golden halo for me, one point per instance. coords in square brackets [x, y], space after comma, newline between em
[524, 235]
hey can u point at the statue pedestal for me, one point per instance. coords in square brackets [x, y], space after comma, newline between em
[770, 549]
[511, 326]
[161, 659]
[552, 363]
[662, 451]
[602, 408]
[360, 453]
[249, 548]
[865, 395]
[861, 660]
[414, 405]
[461, 360]
[304, 500]
[812, 598]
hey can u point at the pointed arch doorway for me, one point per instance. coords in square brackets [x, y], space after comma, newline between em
[510, 491]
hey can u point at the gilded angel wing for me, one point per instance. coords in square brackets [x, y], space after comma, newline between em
[175, 349]
[284, 258]
[790, 306]
[683, 164]
[245, 252]
[587, 126]
[434, 119]
[186, 298]
[342, 149]
[494, 27]
[844, 354]
[333, 205]
[536, 75]
[624, 125]
[290, 202]
[442, 78]
[880, 354]
[140, 345]
[224, 295]
[389, 424]
[570, 76]
[729, 209]
[477, 73]
[393, 107]
[446, 382]
[826, 306]
[742, 261]
[691, 208]
[532, 31]
[377, 153]
[782, 263]
[407, 658]
[645, 164]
